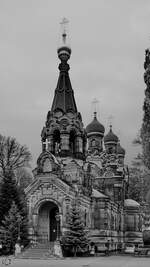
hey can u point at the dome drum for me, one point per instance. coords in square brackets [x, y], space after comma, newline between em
[120, 150]
[95, 134]
[110, 142]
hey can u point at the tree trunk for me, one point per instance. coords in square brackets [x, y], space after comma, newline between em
[75, 251]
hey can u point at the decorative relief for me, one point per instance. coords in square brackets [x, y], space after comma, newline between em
[108, 174]
[47, 166]
[47, 190]
[64, 123]
[47, 163]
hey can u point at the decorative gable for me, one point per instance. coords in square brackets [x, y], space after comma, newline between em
[47, 163]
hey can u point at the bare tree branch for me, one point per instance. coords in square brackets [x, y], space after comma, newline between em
[12, 154]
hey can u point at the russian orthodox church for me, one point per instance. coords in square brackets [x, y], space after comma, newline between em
[84, 165]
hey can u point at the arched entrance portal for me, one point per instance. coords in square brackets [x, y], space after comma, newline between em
[48, 222]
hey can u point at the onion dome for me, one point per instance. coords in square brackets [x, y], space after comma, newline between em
[131, 203]
[120, 150]
[110, 137]
[95, 127]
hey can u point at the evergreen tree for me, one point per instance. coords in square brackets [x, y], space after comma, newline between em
[139, 182]
[12, 194]
[11, 228]
[12, 157]
[145, 131]
[76, 237]
[135, 189]
[8, 194]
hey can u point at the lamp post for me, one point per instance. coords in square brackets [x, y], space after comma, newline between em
[57, 245]
[19, 222]
[57, 216]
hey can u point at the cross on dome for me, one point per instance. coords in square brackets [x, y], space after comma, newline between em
[110, 120]
[46, 143]
[64, 29]
[95, 103]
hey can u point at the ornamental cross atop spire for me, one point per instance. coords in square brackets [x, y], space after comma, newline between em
[64, 29]
[110, 121]
[95, 104]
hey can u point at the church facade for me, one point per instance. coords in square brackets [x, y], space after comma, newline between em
[84, 165]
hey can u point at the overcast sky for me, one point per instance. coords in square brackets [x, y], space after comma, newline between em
[108, 41]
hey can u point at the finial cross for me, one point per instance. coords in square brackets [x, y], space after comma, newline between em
[95, 103]
[110, 120]
[46, 143]
[64, 26]
[64, 22]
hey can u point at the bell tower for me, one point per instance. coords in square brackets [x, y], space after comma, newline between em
[63, 134]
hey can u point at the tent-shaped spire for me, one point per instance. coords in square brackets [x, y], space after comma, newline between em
[64, 96]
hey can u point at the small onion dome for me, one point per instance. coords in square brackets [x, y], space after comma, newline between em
[110, 137]
[95, 127]
[131, 203]
[120, 149]
[64, 53]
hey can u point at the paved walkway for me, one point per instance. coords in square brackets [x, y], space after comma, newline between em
[111, 261]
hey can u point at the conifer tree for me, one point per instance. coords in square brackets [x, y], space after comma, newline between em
[11, 228]
[8, 194]
[76, 237]
[12, 157]
[139, 180]
[145, 131]
[12, 194]
[11, 191]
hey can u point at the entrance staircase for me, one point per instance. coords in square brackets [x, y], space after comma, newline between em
[38, 251]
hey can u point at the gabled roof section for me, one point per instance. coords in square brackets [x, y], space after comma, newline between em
[98, 194]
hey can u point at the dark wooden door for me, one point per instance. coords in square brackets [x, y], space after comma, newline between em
[53, 224]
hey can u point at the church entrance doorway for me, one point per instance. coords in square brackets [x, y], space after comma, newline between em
[48, 222]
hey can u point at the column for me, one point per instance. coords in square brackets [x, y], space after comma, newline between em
[64, 141]
[79, 144]
[43, 145]
[50, 143]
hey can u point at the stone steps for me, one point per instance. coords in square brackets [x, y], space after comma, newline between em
[40, 251]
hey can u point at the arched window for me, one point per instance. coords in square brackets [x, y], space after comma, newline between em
[47, 165]
[110, 150]
[56, 142]
[130, 222]
[93, 142]
[72, 140]
[96, 216]
[85, 217]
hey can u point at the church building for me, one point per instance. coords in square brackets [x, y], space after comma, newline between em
[83, 164]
